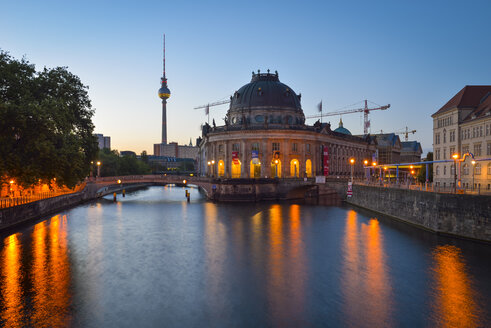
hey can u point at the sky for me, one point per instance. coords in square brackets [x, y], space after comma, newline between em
[413, 55]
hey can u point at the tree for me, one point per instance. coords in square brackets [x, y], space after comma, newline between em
[422, 173]
[46, 130]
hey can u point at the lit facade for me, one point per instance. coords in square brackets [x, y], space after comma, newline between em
[463, 125]
[265, 136]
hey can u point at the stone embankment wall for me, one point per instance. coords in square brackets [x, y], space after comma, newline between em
[461, 215]
[16, 215]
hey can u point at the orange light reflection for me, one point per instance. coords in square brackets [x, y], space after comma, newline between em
[455, 300]
[11, 284]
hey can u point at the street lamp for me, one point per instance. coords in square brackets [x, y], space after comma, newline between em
[98, 168]
[209, 168]
[473, 166]
[213, 168]
[352, 162]
[276, 168]
[455, 156]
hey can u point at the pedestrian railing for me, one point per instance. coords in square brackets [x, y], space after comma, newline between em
[15, 201]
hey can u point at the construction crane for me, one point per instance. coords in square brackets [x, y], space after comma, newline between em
[365, 111]
[207, 107]
[405, 133]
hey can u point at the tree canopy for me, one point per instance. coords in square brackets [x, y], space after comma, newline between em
[114, 165]
[46, 128]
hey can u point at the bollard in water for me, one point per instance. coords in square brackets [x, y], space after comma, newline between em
[124, 193]
[188, 197]
[114, 197]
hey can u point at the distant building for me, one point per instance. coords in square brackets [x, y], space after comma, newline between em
[174, 150]
[104, 141]
[410, 152]
[127, 153]
[463, 125]
[388, 148]
[168, 164]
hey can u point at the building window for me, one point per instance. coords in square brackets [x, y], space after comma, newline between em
[488, 149]
[307, 147]
[437, 138]
[465, 149]
[294, 147]
[437, 170]
[452, 150]
[477, 169]
[220, 148]
[444, 153]
[255, 146]
[489, 169]
[465, 170]
[480, 131]
[487, 129]
[452, 136]
[235, 147]
[276, 146]
[444, 170]
[477, 149]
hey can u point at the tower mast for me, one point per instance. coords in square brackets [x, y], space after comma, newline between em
[164, 94]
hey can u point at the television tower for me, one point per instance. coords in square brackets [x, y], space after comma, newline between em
[164, 94]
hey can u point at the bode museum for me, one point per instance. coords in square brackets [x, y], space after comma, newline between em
[265, 136]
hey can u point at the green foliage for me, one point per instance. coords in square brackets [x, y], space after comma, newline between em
[46, 129]
[422, 173]
[114, 165]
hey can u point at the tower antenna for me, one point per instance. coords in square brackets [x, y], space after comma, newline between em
[164, 55]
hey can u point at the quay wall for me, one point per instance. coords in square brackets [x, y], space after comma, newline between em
[16, 215]
[461, 215]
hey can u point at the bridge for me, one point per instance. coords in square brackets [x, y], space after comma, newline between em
[225, 189]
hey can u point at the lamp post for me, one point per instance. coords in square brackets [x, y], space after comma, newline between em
[275, 168]
[209, 168]
[98, 168]
[367, 169]
[473, 166]
[455, 156]
[212, 168]
[352, 162]
[374, 164]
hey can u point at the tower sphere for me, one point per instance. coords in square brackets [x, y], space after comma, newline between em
[164, 92]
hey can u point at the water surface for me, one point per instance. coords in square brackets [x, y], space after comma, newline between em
[152, 260]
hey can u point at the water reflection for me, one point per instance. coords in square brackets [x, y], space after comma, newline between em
[365, 280]
[455, 299]
[12, 294]
[286, 267]
[50, 274]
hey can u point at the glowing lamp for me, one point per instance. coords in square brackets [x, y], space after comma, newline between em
[455, 156]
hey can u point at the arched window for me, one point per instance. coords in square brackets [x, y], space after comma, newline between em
[221, 168]
[236, 168]
[489, 169]
[465, 170]
[255, 170]
[437, 172]
[308, 168]
[276, 168]
[294, 168]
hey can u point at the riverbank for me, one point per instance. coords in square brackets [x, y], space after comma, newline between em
[467, 216]
[21, 214]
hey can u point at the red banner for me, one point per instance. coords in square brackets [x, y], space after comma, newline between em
[325, 160]
[235, 157]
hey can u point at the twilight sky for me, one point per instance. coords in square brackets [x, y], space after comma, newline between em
[414, 55]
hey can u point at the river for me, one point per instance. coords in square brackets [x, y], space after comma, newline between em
[153, 260]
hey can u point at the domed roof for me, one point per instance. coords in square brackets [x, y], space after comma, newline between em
[265, 91]
[341, 129]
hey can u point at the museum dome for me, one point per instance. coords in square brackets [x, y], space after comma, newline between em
[342, 129]
[265, 99]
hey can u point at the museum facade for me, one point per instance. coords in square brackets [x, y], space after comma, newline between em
[265, 136]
